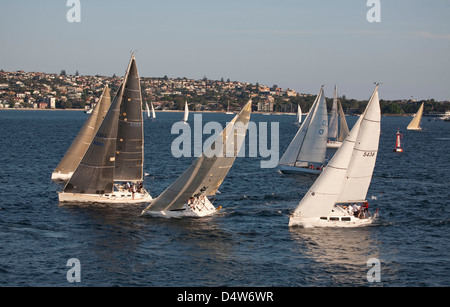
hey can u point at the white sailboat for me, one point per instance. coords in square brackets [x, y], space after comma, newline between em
[415, 123]
[299, 115]
[306, 152]
[153, 111]
[337, 128]
[188, 195]
[331, 200]
[80, 145]
[147, 109]
[228, 109]
[186, 112]
[114, 158]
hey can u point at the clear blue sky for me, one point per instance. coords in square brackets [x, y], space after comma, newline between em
[292, 43]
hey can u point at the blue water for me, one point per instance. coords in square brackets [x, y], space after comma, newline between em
[247, 243]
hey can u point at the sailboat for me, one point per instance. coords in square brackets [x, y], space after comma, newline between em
[306, 152]
[153, 111]
[188, 195]
[228, 109]
[415, 123]
[337, 130]
[80, 145]
[147, 109]
[186, 112]
[299, 115]
[342, 187]
[114, 158]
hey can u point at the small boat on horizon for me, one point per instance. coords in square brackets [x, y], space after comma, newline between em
[186, 112]
[299, 115]
[415, 122]
[228, 109]
[151, 115]
[337, 130]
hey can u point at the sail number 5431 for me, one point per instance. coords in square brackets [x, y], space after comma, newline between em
[369, 154]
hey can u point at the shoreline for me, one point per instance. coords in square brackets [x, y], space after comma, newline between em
[205, 111]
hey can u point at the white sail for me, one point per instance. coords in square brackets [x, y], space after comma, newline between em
[147, 109]
[309, 144]
[337, 129]
[153, 111]
[186, 112]
[415, 123]
[348, 174]
[333, 126]
[299, 114]
[360, 169]
[343, 130]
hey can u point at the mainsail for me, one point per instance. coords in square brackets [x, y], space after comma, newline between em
[333, 126]
[309, 144]
[153, 111]
[299, 114]
[130, 135]
[147, 109]
[343, 131]
[80, 145]
[348, 174]
[186, 112]
[415, 123]
[337, 128]
[104, 160]
[206, 174]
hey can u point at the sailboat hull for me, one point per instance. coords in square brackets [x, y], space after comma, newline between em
[286, 169]
[204, 209]
[61, 176]
[330, 221]
[334, 144]
[116, 197]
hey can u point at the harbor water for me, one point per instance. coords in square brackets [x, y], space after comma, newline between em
[248, 241]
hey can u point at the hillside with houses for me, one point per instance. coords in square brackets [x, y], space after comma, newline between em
[38, 90]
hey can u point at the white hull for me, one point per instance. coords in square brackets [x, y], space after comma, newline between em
[415, 129]
[338, 218]
[61, 176]
[334, 144]
[330, 221]
[285, 169]
[116, 197]
[187, 211]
